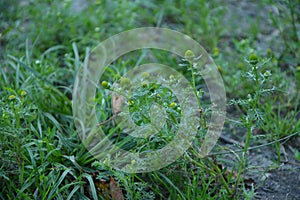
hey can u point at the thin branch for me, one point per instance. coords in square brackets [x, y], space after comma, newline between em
[110, 119]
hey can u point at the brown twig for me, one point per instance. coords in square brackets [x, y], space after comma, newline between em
[231, 141]
[110, 119]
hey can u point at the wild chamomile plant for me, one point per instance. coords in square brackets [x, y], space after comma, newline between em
[140, 101]
[15, 116]
[253, 106]
[207, 165]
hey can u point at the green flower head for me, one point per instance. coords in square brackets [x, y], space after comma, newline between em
[124, 81]
[173, 105]
[215, 52]
[144, 84]
[23, 93]
[105, 84]
[253, 59]
[11, 97]
[145, 74]
[189, 55]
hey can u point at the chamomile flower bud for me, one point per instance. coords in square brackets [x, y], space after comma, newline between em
[215, 52]
[104, 84]
[23, 93]
[144, 84]
[124, 81]
[189, 55]
[11, 97]
[145, 74]
[173, 105]
[253, 59]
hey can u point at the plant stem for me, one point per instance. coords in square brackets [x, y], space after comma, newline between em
[219, 172]
[194, 84]
[248, 137]
[213, 172]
